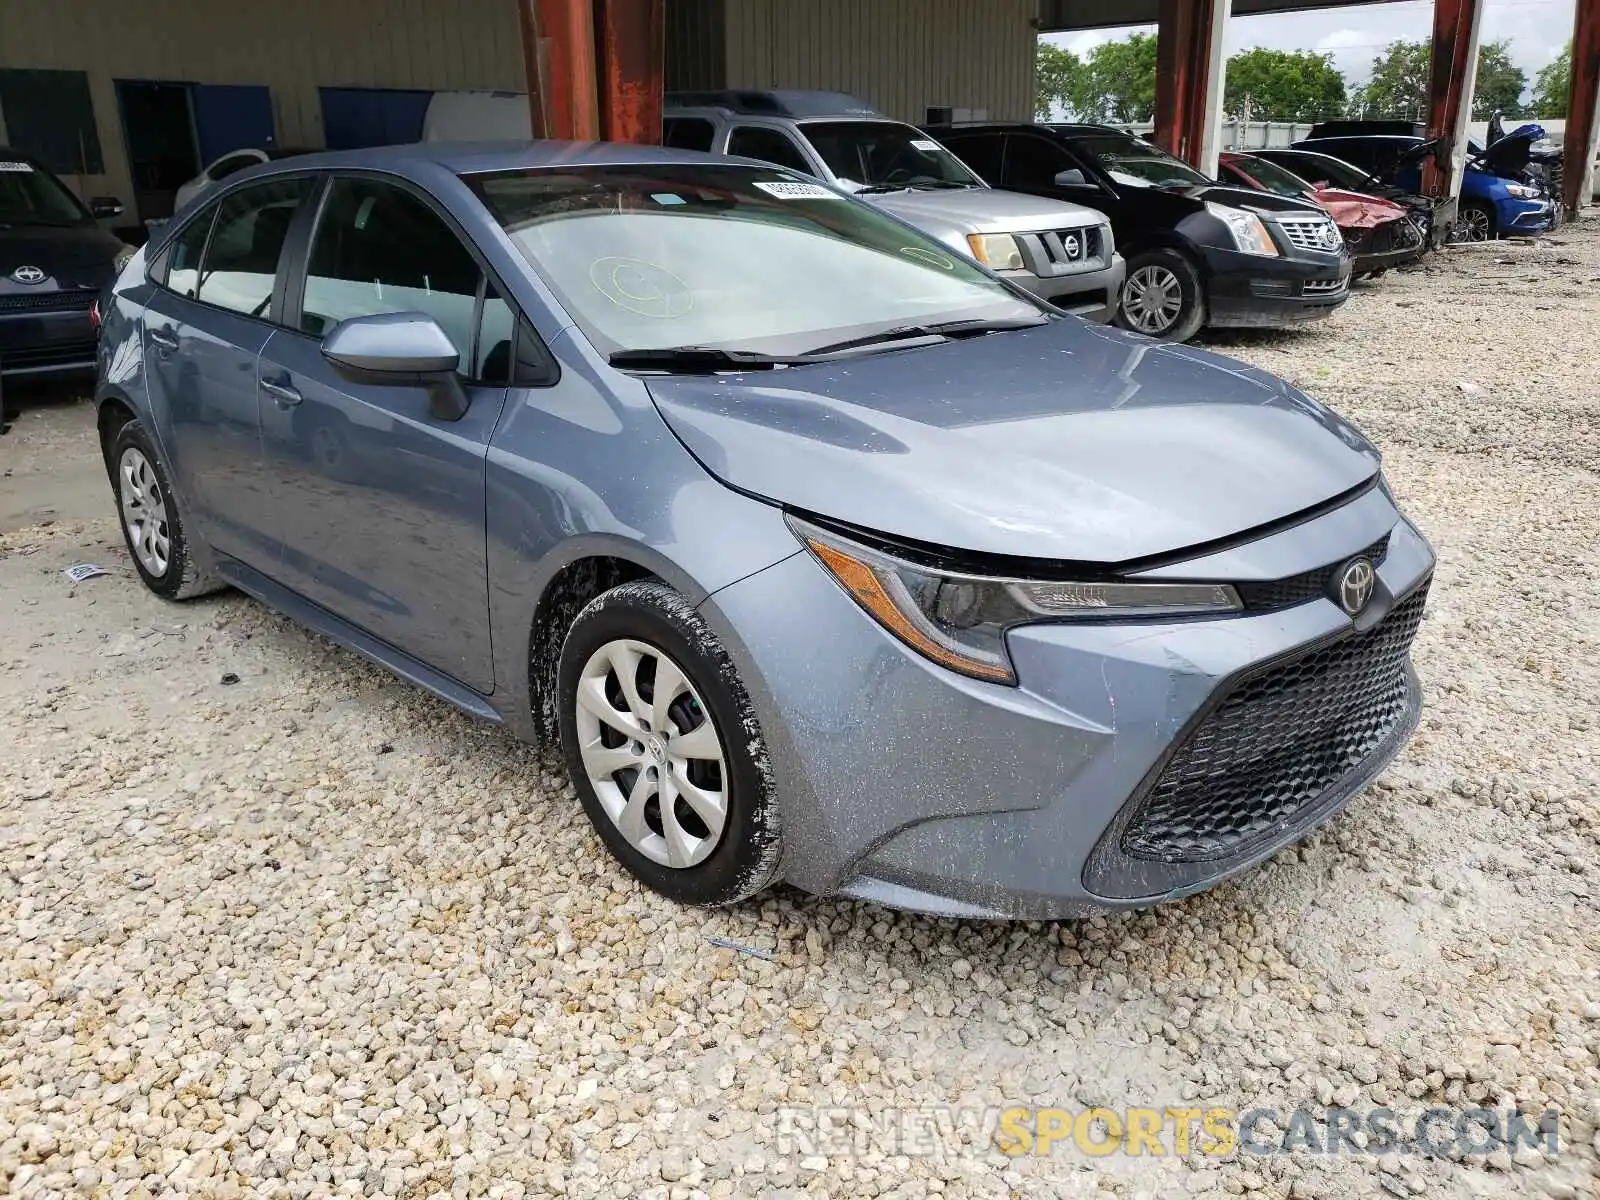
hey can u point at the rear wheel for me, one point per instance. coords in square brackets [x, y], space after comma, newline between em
[151, 523]
[664, 749]
[1162, 297]
[1476, 221]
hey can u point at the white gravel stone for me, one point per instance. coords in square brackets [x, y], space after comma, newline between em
[314, 933]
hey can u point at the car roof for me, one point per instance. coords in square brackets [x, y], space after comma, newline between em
[467, 158]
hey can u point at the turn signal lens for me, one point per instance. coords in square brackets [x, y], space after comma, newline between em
[997, 251]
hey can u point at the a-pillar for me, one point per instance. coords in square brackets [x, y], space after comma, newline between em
[1189, 79]
[1452, 74]
[1577, 185]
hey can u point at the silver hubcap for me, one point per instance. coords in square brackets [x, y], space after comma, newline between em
[144, 512]
[652, 753]
[1152, 299]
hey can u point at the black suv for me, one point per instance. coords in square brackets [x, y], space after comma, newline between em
[1198, 252]
[54, 260]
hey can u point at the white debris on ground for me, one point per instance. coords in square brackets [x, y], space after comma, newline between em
[314, 933]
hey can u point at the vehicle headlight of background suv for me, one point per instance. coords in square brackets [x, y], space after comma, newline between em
[960, 621]
[1249, 231]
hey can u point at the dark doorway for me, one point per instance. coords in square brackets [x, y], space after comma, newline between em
[158, 127]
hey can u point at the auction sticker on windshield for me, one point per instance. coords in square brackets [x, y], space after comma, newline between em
[924, 145]
[785, 189]
[17, 168]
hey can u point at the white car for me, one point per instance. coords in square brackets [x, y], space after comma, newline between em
[231, 162]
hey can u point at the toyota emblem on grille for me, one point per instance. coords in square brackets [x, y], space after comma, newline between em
[28, 275]
[1072, 245]
[1354, 585]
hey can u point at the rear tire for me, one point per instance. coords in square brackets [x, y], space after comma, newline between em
[681, 791]
[1162, 297]
[152, 525]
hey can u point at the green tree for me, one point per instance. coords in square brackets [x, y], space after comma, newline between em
[1062, 82]
[1398, 88]
[1284, 86]
[1552, 86]
[1500, 82]
[1122, 80]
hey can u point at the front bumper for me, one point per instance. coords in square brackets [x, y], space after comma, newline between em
[1527, 216]
[1249, 290]
[908, 785]
[46, 333]
[1093, 294]
[1383, 246]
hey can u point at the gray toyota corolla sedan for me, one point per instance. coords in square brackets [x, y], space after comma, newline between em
[826, 556]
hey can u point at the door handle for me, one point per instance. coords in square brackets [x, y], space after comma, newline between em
[282, 394]
[164, 339]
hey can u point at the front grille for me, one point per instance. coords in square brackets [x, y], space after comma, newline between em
[50, 354]
[1067, 249]
[1276, 744]
[1308, 585]
[1391, 236]
[1312, 233]
[75, 301]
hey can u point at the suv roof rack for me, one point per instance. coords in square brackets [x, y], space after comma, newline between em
[775, 102]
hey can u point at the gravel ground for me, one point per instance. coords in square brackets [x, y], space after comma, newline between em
[275, 923]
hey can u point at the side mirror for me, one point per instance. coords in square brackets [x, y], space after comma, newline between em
[405, 349]
[1072, 177]
[103, 207]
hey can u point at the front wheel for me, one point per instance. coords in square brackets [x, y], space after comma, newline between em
[664, 748]
[1476, 222]
[1162, 297]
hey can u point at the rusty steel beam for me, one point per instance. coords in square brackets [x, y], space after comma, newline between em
[1189, 78]
[1580, 141]
[558, 56]
[1452, 74]
[631, 39]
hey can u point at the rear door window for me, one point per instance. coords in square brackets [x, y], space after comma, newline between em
[182, 257]
[241, 262]
[769, 145]
[981, 152]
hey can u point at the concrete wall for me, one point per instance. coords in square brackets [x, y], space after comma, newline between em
[902, 56]
[292, 46]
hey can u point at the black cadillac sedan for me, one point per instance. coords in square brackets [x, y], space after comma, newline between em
[54, 260]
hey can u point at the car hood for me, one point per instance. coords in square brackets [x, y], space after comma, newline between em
[1240, 197]
[985, 210]
[1069, 442]
[1352, 210]
[72, 258]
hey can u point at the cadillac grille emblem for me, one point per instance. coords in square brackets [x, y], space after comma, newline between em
[28, 275]
[1354, 585]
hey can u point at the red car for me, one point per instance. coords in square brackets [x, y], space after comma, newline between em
[1378, 233]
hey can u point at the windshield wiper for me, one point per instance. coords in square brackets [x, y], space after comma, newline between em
[873, 189]
[938, 330]
[700, 359]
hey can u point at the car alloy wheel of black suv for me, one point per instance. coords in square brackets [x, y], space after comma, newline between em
[1199, 253]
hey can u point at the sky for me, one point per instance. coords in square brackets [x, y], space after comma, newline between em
[1536, 29]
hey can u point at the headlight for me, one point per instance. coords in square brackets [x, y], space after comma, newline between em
[960, 621]
[1522, 191]
[1249, 231]
[997, 251]
[123, 258]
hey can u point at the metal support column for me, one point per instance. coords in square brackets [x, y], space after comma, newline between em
[1452, 75]
[1583, 130]
[1189, 79]
[631, 36]
[558, 56]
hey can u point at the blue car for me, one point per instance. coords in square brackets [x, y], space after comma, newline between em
[823, 554]
[1498, 197]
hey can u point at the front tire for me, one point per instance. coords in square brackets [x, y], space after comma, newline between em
[664, 748]
[152, 526]
[1162, 297]
[1477, 221]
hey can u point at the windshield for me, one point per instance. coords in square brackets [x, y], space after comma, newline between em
[732, 257]
[1335, 171]
[30, 196]
[1137, 163]
[1271, 176]
[884, 154]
